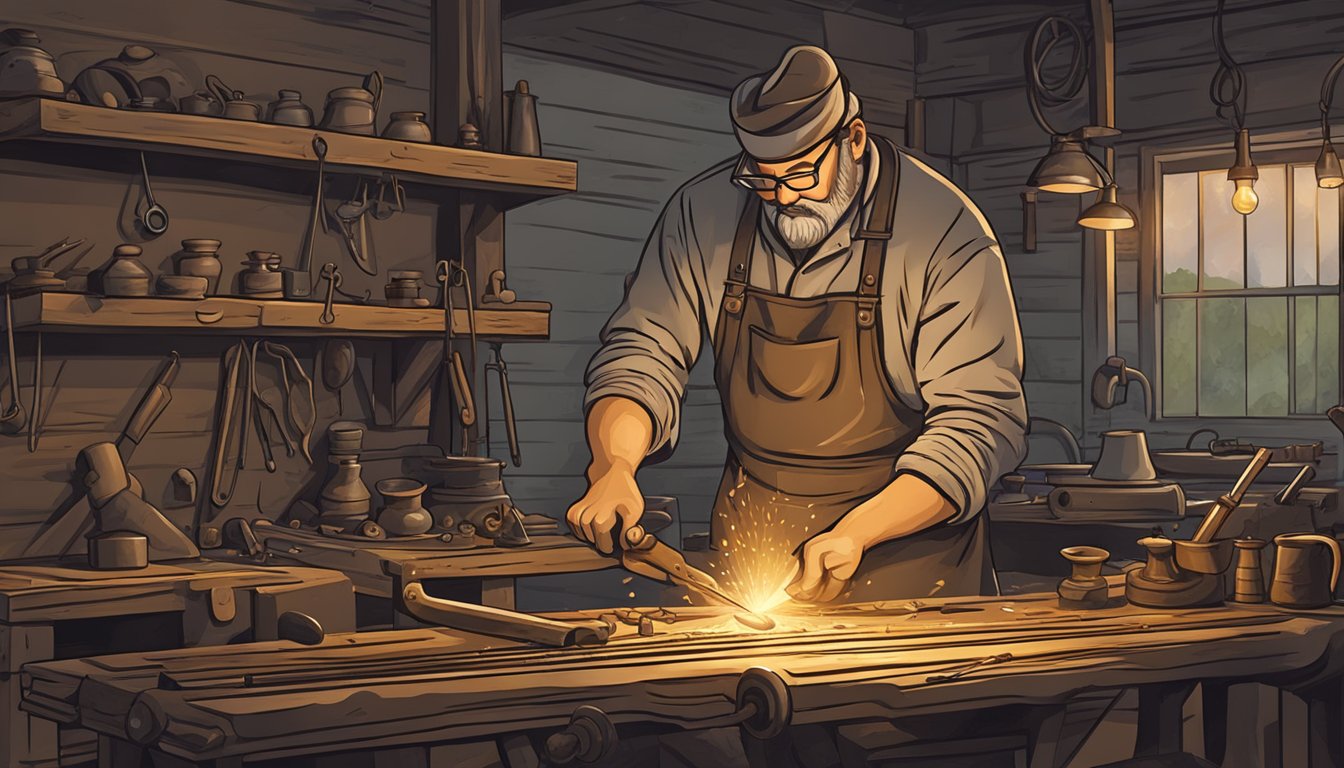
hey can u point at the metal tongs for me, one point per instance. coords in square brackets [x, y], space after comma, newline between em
[643, 554]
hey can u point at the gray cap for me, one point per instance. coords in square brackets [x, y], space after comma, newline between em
[782, 113]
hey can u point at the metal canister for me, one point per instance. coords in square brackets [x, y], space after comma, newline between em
[118, 550]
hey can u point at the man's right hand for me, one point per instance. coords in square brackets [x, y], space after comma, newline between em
[611, 505]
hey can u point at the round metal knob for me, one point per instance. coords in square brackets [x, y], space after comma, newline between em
[764, 703]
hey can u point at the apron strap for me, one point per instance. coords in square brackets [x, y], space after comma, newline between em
[877, 233]
[739, 267]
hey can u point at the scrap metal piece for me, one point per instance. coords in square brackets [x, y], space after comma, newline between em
[497, 622]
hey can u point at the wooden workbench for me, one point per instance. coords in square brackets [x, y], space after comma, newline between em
[59, 609]
[376, 568]
[845, 669]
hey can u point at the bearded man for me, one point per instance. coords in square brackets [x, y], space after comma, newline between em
[866, 347]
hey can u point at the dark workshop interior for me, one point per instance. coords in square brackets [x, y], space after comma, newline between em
[312, 449]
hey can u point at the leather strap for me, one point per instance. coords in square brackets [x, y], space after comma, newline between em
[881, 216]
[739, 268]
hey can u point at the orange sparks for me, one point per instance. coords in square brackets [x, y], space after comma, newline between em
[757, 559]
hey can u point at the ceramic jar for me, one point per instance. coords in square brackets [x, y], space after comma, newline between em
[404, 288]
[199, 257]
[354, 109]
[402, 513]
[262, 278]
[26, 69]
[200, 103]
[289, 109]
[344, 500]
[408, 126]
[125, 275]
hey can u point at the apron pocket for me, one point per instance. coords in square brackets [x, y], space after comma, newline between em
[793, 370]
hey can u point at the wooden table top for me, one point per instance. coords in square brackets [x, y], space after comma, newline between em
[56, 590]
[372, 689]
[371, 565]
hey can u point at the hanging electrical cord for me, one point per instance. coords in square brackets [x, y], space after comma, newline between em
[1049, 34]
[1227, 89]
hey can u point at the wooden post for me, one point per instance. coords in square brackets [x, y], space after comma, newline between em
[1215, 720]
[466, 86]
[1325, 712]
[1099, 247]
[1160, 722]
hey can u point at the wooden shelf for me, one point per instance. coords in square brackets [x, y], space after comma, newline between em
[81, 313]
[285, 146]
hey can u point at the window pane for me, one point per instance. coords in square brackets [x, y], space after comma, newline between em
[1224, 234]
[1267, 356]
[1267, 231]
[1180, 232]
[1222, 357]
[1304, 355]
[1304, 225]
[1327, 234]
[1178, 357]
[1327, 352]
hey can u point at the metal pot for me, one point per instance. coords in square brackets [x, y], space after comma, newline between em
[235, 106]
[200, 103]
[408, 126]
[153, 77]
[354, 109]
[289, 109]
[26, 69]
[262, 278]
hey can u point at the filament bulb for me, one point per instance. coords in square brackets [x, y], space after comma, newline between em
[1244, 199]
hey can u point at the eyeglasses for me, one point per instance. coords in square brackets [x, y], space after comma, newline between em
[800, 181]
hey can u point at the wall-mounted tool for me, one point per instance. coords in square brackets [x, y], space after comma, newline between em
[301, 408]
[298, 282]
[1110, 385]
[449, 276]
[154, 218]
[14, 417]
[506, 402]
[35, 422]
[496, 293]
[333, 277]
[230, 430]
[269, 408]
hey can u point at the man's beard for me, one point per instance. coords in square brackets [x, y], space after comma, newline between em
[806, 223]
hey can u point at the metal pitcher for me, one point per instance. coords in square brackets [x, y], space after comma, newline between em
[354, 109]
[235, 106]
[1306, 570]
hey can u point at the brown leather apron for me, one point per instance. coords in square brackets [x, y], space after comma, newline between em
[814, 425]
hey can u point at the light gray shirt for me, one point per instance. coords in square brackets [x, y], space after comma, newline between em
[950, 337]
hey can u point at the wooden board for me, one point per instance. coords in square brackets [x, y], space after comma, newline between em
[860, 662]
[80, 313]
[373, 565]
[60, 590]
[284, 146]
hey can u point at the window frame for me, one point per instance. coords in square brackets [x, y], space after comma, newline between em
[1154, 165]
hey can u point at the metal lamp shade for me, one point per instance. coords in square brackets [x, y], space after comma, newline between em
[1067, 169]
[1124, 457]
[1329, 174]
[1107, 213]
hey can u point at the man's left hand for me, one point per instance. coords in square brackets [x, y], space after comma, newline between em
[829, 562]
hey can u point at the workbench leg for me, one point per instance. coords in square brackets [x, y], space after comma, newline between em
[1043, 740]
[1215, 720]
[1325, 724]
[1160, 721]
[116, 753]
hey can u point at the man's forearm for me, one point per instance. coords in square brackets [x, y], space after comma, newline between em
[908, 505]
[620, 433]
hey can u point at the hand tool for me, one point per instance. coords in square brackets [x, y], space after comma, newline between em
[14, 417]
[303, 423]
[1223, 508]
[333, 277]
[268, 408]
[642, 553]
[1287, 496]
[258, 414]
[234, 361]
[450, 275]
[998, 658]
[506, 401]
[154, 219]
[497, 622]
[300, 279]
[37, 397]
[72, 517]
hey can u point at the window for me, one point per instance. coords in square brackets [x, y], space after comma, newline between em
[1249, 305]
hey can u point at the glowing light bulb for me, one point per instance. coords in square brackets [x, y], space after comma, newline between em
[1244, 199]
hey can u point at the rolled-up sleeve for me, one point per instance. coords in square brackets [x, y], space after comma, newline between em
[967, 359]
[652, 340]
